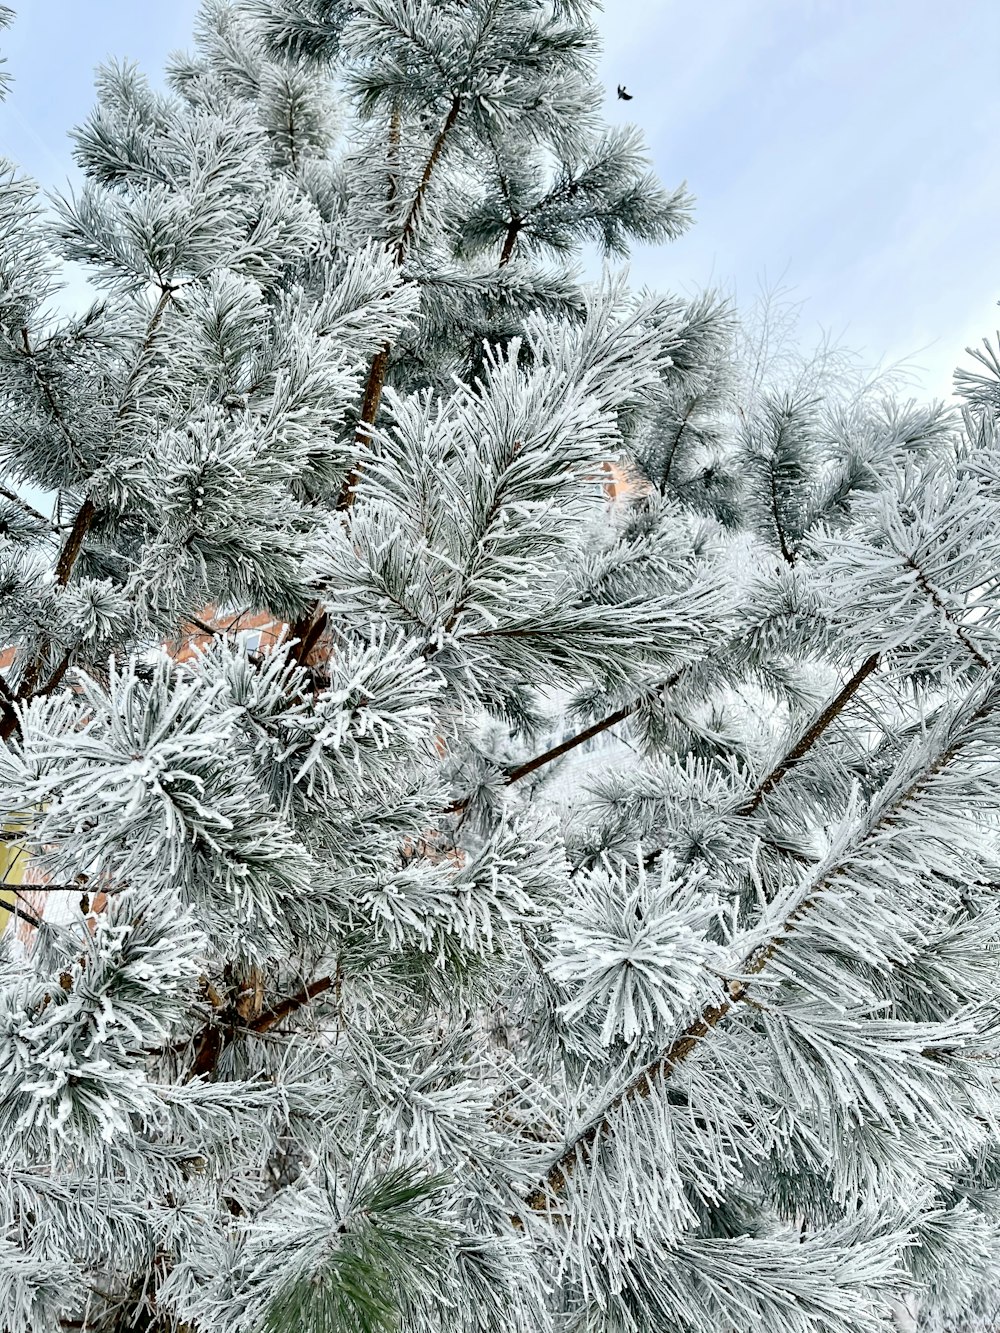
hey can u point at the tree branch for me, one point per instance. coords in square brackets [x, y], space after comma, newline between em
[203, 626]
[213, 1038]
[417, 205]
[309, 629]
[21, 914]
[9, 722]
[805, 743]
[392, 158]
[70, 552]
[809, 738]
[787, 555]
[642, 1084]
[85, 515]
[87, 512]
[50, 398]
[380, 365]
[961, 633]
[270, 1017]
[24, 506]
[557, 751]
[510, 241]
[369, 411]
[55, 680]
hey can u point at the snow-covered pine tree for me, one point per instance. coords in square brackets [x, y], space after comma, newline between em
[397, 1017]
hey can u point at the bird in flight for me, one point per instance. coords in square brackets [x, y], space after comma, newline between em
[623, 93]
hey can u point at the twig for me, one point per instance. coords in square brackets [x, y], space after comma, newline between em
[23, 504]
[21, 914]
[961, 633]
[811, 736]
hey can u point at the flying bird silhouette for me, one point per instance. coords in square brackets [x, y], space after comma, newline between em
[623, 93]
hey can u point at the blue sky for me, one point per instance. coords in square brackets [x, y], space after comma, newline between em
[848, 145]
[844, 147]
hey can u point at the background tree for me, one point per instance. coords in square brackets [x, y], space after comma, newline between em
[394, 1019]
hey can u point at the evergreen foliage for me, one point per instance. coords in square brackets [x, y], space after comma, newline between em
[585, 919]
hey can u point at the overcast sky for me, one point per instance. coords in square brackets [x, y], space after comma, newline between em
[845, 147]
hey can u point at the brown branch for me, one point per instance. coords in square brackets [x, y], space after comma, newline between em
[290, 127]
[48, 887]
[21, 914]
[643, 1084]
[31, 690]
[688, 413]
[510, 240]
[557, 751]
[126, 407]
[70, 553]
[270, 1017]
[805, 743]
[309, 629]
[208, 1047]
[565, 747]
[557, 1177]
[88, 511]
[203, 626]
[213, 1038]
[380, 364]
[392, 163]
[798, 751]
[50, 398]
[55, 680]
[376, 375]
[86, 514]
[370, 404]
[787, 555]
[417, 205]
[307, 632]
[8, 723]
[221, 631]
[23, 505]
[809, 738]
[961, 633]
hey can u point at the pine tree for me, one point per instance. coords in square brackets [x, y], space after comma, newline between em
[585, 917]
